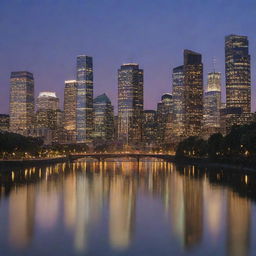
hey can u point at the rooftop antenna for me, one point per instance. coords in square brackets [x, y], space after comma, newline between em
[214, 64]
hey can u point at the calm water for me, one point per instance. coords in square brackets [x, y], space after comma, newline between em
[127, 208]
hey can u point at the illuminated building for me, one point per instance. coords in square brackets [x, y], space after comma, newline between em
[212, 104]
[21, 102]
[164, 118]
[238, 73]
[70, 96]
[149, 127]
[103, 118]
[193, 81]
[49, 118]
[130, 103]
[47, 100]
[178, 102]
[84, 107]
[4, 123]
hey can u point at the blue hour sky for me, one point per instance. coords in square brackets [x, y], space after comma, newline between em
[45, 36]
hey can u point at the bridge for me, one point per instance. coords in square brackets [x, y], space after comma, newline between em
[103, 156]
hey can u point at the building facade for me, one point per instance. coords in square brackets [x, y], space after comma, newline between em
[4, 122]
[84, 102]
[212, 105]
[47, 100]
[21, 102]
[193, 80]
[179, 116]
[238, 72]
[103, 118]
[130, 103]
[70, 97]
[149, 127]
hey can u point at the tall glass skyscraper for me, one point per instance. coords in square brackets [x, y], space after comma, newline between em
[212, 104]
[70, 97]
[130, 103]
[179, 116]
[103, 118]
[21, 102]
[84, 103]
[238, 72]
[193, 81]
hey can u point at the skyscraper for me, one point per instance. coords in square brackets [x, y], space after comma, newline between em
[238, 72]
[179, 116]
[21, 102]
[84, 103]
[149, 127]
[70, 97]
[130, 103]
[193, 80]
[103, 118]
[47, 100]
[212, 104]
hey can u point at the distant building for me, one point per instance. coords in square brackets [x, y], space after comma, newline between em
[103, 118]
[4, 123]
[84, 107]
[212, 105]
[165, 118]
[21, 102]
[70, 97]
[179, 114]
[49, 118]
[149, 127]
[130, 103]
[193, 80]
[47, 100]
[238, 72]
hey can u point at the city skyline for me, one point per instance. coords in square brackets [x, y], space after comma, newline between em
[160, 40]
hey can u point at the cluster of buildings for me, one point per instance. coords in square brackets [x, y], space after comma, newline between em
[188, 110]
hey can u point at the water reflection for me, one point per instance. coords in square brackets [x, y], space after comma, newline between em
[88, 199]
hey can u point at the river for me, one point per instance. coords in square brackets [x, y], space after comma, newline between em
[122, 207]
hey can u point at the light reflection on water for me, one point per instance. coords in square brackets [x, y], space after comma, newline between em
[126, 208]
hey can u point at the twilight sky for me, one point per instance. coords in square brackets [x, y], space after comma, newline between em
[45, 36]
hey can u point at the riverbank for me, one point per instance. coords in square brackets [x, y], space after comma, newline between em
[32, 161]
[216, 163]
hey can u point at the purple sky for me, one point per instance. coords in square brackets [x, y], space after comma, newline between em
[45, 36]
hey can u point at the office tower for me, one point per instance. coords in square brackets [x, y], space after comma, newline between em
[49, 118]
[4, 123]
[47, 100]
[165, 118]
[84, 103]
[149, 127]
[103, 118]
[70, 97]
[21, 102]
[212, 104]
[193, 80]
[130, 103]
[238, 73]
[179, 116]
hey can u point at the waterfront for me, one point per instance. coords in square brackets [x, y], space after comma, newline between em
[150, 207]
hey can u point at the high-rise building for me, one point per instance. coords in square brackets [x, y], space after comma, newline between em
[149, 127]
[84, 103]
[70, 97]
[238, 72]
[103, 118]
[212, 104]
[165, 118]
[193, 80]
[179, 116]
[130, 103]
[21, 102]
[47, 100]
